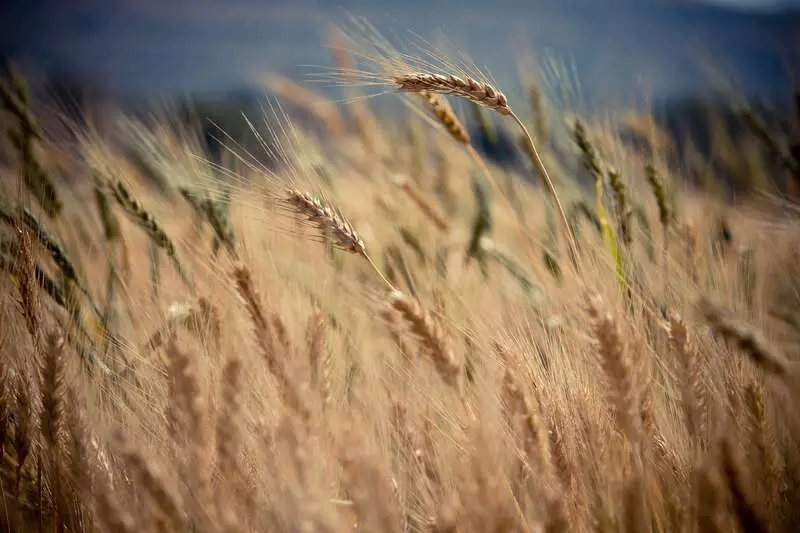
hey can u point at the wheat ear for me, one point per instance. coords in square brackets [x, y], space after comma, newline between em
[693, 387]
[431, 335]
[147, 222]
[658, 187]
[442, 110]
[618, 367]
[331, 225]
[481, 93]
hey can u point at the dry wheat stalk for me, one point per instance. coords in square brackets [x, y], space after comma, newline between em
[23, 434]
[315, 341]
[231, 405]
[710, 499]
[693, 389]
[657, 185]
[5, 406]
[763, 440]
[52, 375]
[110, 511]
[749, 514]
[147, 222]
[26, 270]
[227, 435]
[364, 121]
[529, 411]
[321, 108]
[151, 479]
[431, 334]
[442, 110]
[57, 253]
[202, 321]
[374, 501]
[624, 212]
[189, 406]
[561, 459]
[557, 516]
[389, 317]
[269, 342]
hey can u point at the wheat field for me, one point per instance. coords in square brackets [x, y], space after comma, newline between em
[383, 330]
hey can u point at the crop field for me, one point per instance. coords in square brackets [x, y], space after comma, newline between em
[359, 321]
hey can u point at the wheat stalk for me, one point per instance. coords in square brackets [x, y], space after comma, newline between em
[147, 222]
[483, 94]
[693, 389]
[331, 225]
[529, 411]
[269, 341]
[431, 334]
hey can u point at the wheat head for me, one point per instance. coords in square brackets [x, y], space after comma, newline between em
[479, 92]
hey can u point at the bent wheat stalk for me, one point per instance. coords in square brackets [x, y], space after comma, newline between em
[483, 94]
[331, 225]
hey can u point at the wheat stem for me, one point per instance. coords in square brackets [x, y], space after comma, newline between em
[549, 182]
[378, 271]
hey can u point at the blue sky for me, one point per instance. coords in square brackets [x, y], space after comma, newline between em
[135, 46]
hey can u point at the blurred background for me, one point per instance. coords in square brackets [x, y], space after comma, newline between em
[611, 52]
[134, 47]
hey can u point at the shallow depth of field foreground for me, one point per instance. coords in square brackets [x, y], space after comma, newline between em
[366, 324]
